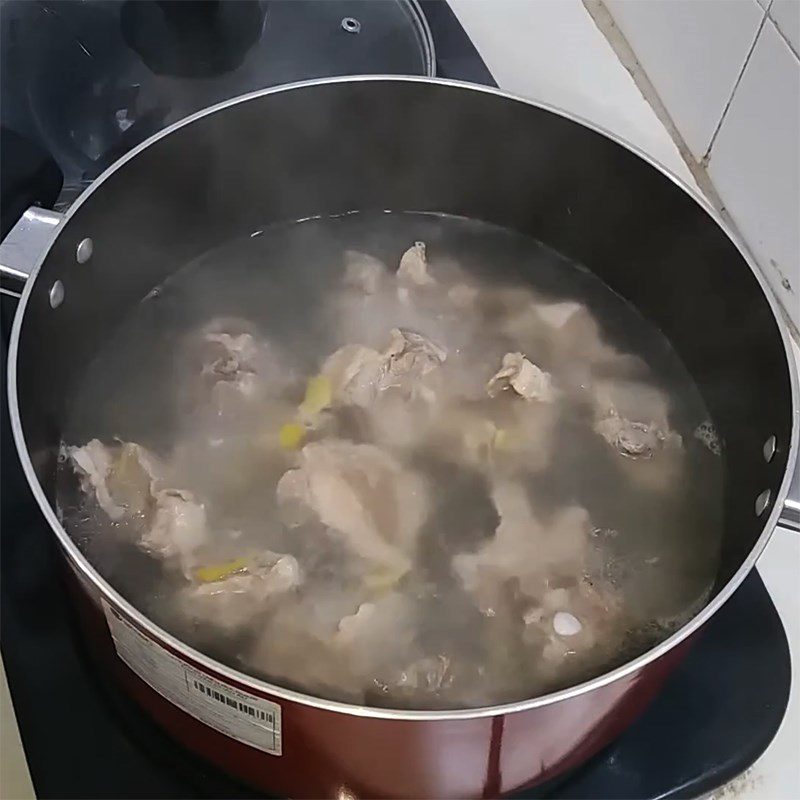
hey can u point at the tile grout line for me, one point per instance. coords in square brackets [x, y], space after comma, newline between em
[780, 32]
[604, 21]
[704, 160]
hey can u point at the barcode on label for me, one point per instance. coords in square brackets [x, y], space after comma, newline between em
[244, 716]
[232, 702]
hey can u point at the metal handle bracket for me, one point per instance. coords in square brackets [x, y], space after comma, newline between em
[790, 514]
[23, 246]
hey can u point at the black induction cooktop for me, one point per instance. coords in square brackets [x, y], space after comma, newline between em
[84, 739]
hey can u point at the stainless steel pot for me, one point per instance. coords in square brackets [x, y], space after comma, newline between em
[416, 144]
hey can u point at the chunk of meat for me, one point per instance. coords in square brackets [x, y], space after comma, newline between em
[123, 477]
[230, 355]
[355, 374]
[635, 402]
[93, 463]
[410, 357]
[178, 528]
[504, 434]
[293, 496]
[363, 272]
[408, 298]
[633, 418]
[135, 478]
[565, 334]
[358, 374]
[229, 367]
[129, 484]
[413, 269]
[235, 600]
[630, 439]
[363, 494]
[410, 352]
[523, 548]
[229, 358]
[523, 377]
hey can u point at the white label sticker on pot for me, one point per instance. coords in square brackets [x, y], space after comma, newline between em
[237, 713]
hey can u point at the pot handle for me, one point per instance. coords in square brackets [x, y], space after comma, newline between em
[22, 248]
[790, 514]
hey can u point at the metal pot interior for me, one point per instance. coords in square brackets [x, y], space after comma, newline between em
[404, 144]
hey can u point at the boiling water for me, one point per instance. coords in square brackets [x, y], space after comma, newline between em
[438, 635]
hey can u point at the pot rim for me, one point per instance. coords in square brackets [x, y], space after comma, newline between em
[279, 692]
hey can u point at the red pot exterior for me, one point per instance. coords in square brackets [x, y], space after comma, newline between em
[330, 753]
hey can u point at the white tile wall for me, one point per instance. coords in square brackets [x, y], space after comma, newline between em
[693, 52]
[755, 163]
[735, 101]
[551, 50]
[786, 15]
